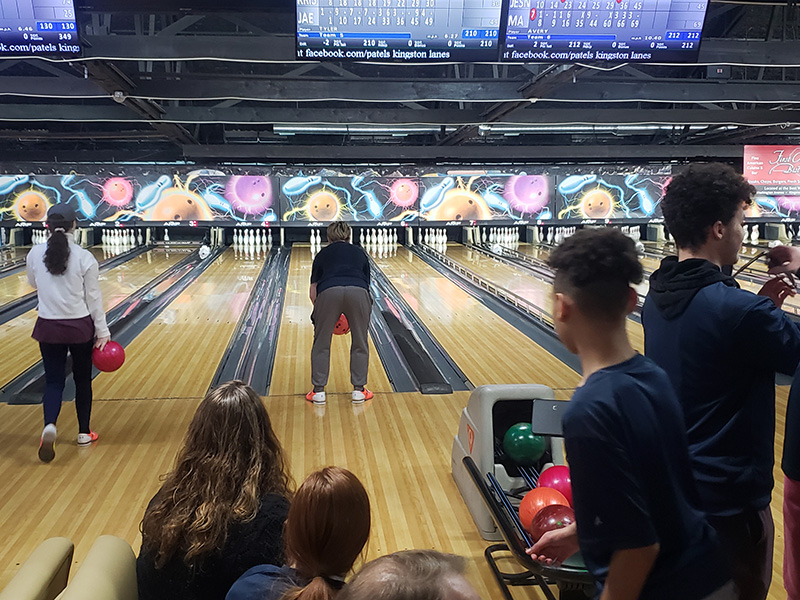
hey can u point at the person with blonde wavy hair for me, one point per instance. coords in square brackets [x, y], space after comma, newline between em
[326, 531]
[221, 510]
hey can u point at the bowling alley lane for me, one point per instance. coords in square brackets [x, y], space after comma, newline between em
[292, 373]
[177, 354]
[522, 283]
[486, 347]
[18, 351]
[16, 284]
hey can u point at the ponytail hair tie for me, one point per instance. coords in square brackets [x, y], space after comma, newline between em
[61, 229]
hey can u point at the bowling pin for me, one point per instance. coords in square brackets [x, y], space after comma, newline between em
[754, 235]
[269, 238]
[166, 235]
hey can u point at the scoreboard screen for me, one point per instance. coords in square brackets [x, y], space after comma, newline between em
[38, 28]
[604, 30]
[398, 30]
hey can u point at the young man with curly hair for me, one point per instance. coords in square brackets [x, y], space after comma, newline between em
[638, 526]
[721, 347]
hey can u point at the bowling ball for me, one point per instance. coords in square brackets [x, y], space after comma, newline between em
[32, 206]
[597, 204]
[342, 326]
[461, 205]
[522, 445]
[536, 500]
[557, 478]
[323, 206]
[549, 518]
[109, 358]
[180, 205]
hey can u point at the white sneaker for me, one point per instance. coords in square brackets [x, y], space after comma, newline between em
[316, 397]
[47, 446]
[360, 396]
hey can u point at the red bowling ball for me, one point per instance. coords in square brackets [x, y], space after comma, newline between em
[109, 358]
[557, 478]
[535, 500]
[342, 326]
[549, 518]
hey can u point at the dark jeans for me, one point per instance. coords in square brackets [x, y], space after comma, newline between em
[747, 538]
[54, 357]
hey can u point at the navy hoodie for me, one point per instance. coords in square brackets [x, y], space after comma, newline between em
[721, 347]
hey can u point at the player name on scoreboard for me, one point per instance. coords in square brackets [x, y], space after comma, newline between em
[573, 30]
[398, 29]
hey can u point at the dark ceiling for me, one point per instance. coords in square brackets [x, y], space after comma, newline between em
[218, 84]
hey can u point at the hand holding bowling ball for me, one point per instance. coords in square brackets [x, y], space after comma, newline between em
[549, 518]
[556, 546]
[109, 358]
[522, 445]
[342, 326]
[557, 478]
[536, 500]
[783, 259]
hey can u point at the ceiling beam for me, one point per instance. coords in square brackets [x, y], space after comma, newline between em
[266, 115]
[479, 153]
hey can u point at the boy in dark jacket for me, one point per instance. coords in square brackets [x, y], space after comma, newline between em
[721, 347]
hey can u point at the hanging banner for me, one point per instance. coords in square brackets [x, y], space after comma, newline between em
[775, 173]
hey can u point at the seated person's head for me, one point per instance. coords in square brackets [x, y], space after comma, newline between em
[326, 530]
[411, 575]
[230, 460]
[594, 272]
[338, 231]
[704, 204]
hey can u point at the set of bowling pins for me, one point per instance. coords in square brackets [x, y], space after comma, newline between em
[249, 238]
[435, 238]
[507, 237]
[633, 232]
[122, 238]
[552, 236]
[316, 241]
[377, 237]
[751, 235]
[39, 236]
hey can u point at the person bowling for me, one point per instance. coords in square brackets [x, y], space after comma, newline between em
[340, 281]
[71, 320]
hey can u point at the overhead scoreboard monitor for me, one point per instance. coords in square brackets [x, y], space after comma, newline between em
[38, 28]
[604, 30]
[399, 30]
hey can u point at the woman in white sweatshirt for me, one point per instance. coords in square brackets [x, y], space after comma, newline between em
[71, 320]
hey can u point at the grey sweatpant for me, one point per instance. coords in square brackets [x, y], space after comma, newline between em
[356, 304]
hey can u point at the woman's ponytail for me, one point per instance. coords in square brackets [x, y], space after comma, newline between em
[57, 253]
[319, 588]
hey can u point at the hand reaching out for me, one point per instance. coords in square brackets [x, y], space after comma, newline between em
[555, 546]
[778, 289]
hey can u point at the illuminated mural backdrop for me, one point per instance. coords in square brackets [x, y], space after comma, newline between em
[610, 196]
[326, 195]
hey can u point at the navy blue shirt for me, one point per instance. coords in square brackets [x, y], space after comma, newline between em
[721, 348]
[632, 481]
[340, 264]
[265, 582]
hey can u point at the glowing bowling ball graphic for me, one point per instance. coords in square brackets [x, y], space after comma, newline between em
[323, 206]
[404, 192]
[597, 204]
[527, 193]
[31, 206]
[176, 204]
[249, 194]
[461, 205]
[117, 191]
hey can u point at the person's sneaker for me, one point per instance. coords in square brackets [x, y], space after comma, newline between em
[316, 397]
[47, 446]
[360, 396]
[84, 439]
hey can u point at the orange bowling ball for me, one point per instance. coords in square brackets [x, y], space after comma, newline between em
[536, 500]
[342, 326]
[323, 206]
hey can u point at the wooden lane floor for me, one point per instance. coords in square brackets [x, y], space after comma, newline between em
[292, 373]
[522, 283]
[483, 345]
[16, 285]
[18, 351]
[176, 356]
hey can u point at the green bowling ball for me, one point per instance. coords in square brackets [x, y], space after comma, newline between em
[522, 445]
